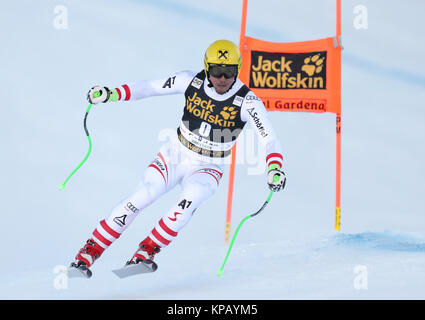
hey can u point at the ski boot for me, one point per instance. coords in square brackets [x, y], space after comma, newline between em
[145, 255]
[142, 260]
[84, 259]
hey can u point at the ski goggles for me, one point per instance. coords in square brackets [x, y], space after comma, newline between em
[228, 71]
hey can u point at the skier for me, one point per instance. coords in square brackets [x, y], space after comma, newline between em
[218, 105]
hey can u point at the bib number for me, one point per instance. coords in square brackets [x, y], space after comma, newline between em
[205, 129]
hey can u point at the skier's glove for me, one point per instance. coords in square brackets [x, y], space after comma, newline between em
[276, 178]
[101, 94]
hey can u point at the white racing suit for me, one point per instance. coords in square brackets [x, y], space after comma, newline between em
[195, 157]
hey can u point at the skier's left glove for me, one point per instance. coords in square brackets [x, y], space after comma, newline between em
[276, 178]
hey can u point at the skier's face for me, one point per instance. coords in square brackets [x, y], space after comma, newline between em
[221, 85]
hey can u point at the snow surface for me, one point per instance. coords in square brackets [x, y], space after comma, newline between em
[289, 251]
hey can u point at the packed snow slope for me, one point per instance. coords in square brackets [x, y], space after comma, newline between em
[290, 250]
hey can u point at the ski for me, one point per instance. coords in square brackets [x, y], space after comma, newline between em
[79, 271]
[128, 270]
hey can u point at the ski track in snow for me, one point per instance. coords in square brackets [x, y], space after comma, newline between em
[288, 270]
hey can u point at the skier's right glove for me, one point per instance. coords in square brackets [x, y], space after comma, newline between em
[101, 94]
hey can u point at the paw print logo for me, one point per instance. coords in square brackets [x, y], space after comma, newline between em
[313, 65]
[229, 113]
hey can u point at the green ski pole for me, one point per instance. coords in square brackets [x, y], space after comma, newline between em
[62, 187]
[220, 271]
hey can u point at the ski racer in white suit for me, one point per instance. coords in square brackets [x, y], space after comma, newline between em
[217, 107]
